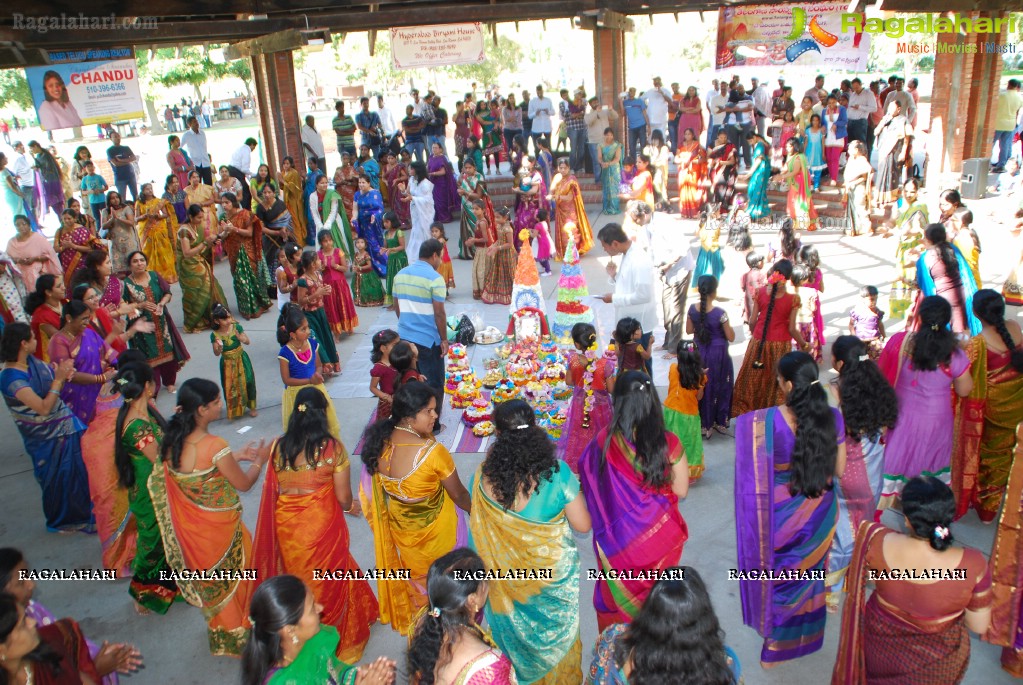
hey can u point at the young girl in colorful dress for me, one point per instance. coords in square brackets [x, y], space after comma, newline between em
[544, 243]
[394, 249]
[237, 379]
[404, 358]
[592, 378]
[709, 261]
[806, 321]
[446, 271]
[309, 294]
[501, 255]
[300, 363]
[367, 290]
[481, 256]
[712, 333]
[383, 379]
[866, 322]
[631, 355]
[751, 281]
[789, 129]
[338, 302]
[287, 273]
[687, 380]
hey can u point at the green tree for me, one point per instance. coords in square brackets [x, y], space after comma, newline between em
[14, 88]
[500, 59]
[191, 67]
[241, 69]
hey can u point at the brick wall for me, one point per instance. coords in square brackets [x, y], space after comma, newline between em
[274, 76]
[609, 70]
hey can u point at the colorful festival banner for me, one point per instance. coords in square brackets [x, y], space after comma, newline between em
[86, 87]
[809, 35]
[437, 46]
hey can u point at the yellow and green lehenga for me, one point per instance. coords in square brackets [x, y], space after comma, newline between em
[200, 517]
[534, 621]
[236, 376]
[200, 288]
[910, 227]
[985, 430]
[155, 236]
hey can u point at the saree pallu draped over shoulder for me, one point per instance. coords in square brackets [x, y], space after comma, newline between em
[200, 517]
[525, 614]
[1007, 570]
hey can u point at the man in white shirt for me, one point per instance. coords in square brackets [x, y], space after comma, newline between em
[658, 101]
[23, 167]
[717, 104]
[194, 142]
[540, 110]
[762, 102]
[862, 104]
[240, 167]
[673, 259]
[417, 105]
[313, 142]
[598, 119]
[206, 109]
[904, 98]
[386, 118]
[741, 108]
[708, 96]
[633, 281]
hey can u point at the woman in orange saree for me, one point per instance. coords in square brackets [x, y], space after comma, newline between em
[692, 175]
[346, 183]
[986, 419]
[410, 492]
[568, 208]
[71, 242]
[294, 198]
[302, 527]
[195, 496]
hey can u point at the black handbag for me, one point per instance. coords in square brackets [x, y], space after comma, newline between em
[465, 333]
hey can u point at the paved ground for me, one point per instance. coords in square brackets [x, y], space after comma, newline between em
[175, 645]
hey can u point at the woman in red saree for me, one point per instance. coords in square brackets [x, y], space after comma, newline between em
[302, 525]
[567, 197]
[986, 419]
[912, 631]
[692, 175]
[72, 241]
[397, 182]
[633, 474]
[195, 495]
[1007, 572]
[346, 183]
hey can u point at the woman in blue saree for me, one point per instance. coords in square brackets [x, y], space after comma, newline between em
[50, 432]
[785, 510]
[368, 221]
[942, 270]
[610, 171]
[759, 173]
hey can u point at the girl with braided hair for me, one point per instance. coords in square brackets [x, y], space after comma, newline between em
[986, 419]
[712, 332]
[591, 376]
[923, 367]
[773, 330]
[942, 270]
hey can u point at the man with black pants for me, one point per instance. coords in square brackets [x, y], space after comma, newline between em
[194, 141]
[674, 263]
[419, 294]
[240, 167]
[862, 104]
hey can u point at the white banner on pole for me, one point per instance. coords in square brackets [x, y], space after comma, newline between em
[437, 46]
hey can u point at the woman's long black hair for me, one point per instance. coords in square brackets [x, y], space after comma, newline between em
[783, 267]
[308, 430]
[816, 447]
[638, 418]
[936, 234]
[130, 382]
[431, 643]
[789, 242]
[930, 507]
[42, 654]
[409, 400]
[676, 637]
[707, 286]
[90, 264]
[869, 403]
[933, 342]
[291, 319]
[37, 297]
[989, 307]
[192, 394]
[277, 603]
[15, 333]
[522, 455]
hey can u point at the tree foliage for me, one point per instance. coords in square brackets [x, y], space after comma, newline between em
[500, 59]
[14, 88]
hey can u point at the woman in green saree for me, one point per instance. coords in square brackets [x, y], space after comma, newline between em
[909, 225]
[525, 505]
[329, 215]
[289, 645]
[242, 234]
[610, 171]
[139, 435]
[199, 287]
[471, 188]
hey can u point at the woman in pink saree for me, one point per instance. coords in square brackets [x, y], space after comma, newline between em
[397, 181]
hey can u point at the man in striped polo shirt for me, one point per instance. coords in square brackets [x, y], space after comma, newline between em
[419, 294]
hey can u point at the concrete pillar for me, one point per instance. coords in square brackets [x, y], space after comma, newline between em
[966, 87]
[274, 78]
[609, 70]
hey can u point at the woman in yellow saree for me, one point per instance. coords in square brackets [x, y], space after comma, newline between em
[567, 197]
[157, 223]
[195, 495]
[198, 193]
[525, 504]
[986, 419]
[291, 183]
[302, 527]
[409, 491]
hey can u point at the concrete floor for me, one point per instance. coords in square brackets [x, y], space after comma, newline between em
[174, 646]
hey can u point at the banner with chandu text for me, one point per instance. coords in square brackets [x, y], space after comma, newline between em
[85, 87]
[809, 35]
[437, 46]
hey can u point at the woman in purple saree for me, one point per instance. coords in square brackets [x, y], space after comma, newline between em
[785, 510]
[530, 195]
[445, 185]
[92, 357]
[632, 475]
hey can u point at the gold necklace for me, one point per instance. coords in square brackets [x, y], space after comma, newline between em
[409, 430]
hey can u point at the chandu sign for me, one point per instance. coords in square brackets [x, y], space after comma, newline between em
[86, 87]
